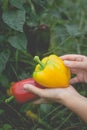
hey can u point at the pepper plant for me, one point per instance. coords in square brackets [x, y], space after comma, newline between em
[38, 27]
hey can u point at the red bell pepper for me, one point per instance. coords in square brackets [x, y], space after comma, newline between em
[20, 94]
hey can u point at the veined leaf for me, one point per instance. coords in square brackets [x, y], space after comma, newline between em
[17, 3]
[14, 19]
[18, 41]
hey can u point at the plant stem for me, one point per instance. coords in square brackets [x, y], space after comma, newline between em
[36, 59]
[9, 99]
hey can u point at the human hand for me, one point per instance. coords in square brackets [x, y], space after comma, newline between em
[78, 66]
[59, 95]
[69, 97]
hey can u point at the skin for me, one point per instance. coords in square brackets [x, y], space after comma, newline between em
[69, 97]
[78, 66]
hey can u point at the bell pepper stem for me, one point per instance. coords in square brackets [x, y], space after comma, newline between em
[36, 59]
[9, 99]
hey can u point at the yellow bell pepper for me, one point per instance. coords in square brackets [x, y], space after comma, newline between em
[51, 72]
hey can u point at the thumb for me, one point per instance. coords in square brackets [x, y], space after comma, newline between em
[34, 89]
[74, 64]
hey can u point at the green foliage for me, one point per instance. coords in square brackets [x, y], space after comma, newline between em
[38, 27]
[14, 19]
[18, 41]
[4, 56]
[7, 127]
[1, 111]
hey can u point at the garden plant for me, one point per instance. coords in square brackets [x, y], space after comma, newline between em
[42, 28]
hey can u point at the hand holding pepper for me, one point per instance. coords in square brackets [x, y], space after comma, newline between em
[67, 96]
[51, 67]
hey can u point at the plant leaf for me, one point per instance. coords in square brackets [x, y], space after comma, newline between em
[73, 30]
[45, 107]
[18, 41]
[7, 127]
[14, 19]
[1, 111]
[17, 3]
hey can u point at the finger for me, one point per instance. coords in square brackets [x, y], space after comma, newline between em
[72, 57]
[74, 64]
[39, 101]
[34, 89]
[73, 71]
[74, 80]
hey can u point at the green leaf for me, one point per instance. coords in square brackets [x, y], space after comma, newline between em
[73, 30]
[1, 128]
[4, 80]
[1, 111]
[45, 107]
[18, 41]
[1, 38]
[4, 56]
[15, 19]
[5, 5]
[17, 3]
[7, 127]
[27, 106]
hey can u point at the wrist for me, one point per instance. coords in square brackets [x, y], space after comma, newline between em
[72, 101]
[78, 104]
[69, 97]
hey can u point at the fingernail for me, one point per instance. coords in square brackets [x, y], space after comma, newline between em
[66, 62]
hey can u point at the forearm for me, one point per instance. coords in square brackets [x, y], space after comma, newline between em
[77, 104]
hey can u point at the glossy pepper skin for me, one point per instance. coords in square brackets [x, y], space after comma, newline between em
[20, 94]
[51, 72]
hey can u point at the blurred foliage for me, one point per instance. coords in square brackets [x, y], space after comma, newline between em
[39, 27]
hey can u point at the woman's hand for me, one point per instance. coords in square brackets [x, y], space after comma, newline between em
[54, 95]
[69, 97]
[78, 66]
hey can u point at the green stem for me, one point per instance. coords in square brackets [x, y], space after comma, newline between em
[9, 99]
[36, 59]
